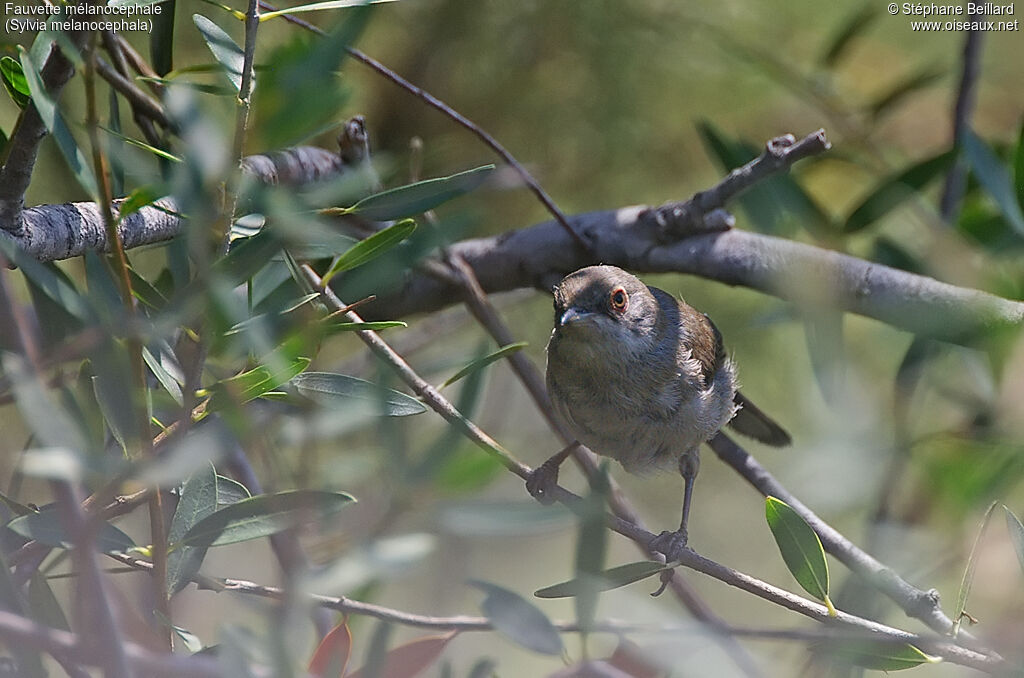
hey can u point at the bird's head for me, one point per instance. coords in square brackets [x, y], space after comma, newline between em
[605, 303]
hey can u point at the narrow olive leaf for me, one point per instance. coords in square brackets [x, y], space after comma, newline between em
[591, 549]
[519, 620]
[161, 39]
[230, 491]
[143, 196]
[29, 662]
[615, 578]
[901, 89]
[1016, 530]
[14, 507]
[968, 578]
[46, 528]
[162, 375]
[198, 500]
[320, 6]
[332, 655]
[264, 515]
[339, 390]
[823, 330]
[994, 177]
[417, 198]
[893, 190]
[406, 661]
[225, 50]
[876, 655]
[1018, 165]
[56, 287]
[481, 363]
[850, 29]
[47, 418]
[370, 248]
[45, 607]
[375, 326]
[14, 81]
[143, 145]
[54, 122]
[800, 548]
[250, 385]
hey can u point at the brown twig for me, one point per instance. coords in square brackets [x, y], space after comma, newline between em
[459, 119]
[141, 103]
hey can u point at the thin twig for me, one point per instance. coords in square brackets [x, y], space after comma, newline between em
[94, 608]
[459, 119]
[839, 625]
[141, 102]
[923, 605]
[67, 647]
[689, 558]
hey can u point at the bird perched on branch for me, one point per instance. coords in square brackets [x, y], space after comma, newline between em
[643, 378]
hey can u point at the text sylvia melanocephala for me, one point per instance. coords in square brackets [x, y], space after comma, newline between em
[643, 378]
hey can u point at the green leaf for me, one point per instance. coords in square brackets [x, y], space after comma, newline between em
[375, 326]
[161, 39]
[47, 419]
[264, 515]
[319, 6]
[28, 661]
[1018, 165]
[481, 363]
[615, 578]
[823, 330]
[14, 81]
[46, 608]
[901, 89]
[143, 196]
[198, 500]
[591, 549]
[800, 548]
[338, 390]
[1013, 525]
[46, 528]
[995, 179]
[250, 385]
[162, 375]
[850, 29]
[876, 655]
[370, 248]
[968, 578]
[519, 620]
[143, 145]
[406, 201]
[54, 122]
[225, 50]
[893, 190]
[230, 491]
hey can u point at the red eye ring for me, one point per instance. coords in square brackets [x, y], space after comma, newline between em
[618, 300]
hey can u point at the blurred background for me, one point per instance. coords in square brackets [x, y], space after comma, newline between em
[900, 444]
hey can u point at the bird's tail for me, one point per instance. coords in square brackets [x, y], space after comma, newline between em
[753, 423]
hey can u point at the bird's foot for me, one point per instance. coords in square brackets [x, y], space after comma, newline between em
[671, 544]
[542, 482]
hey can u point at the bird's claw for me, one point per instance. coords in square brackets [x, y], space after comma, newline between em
[542, 482]
[671, 544]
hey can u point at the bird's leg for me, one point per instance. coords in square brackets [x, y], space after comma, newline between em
[673, 543]
[544, 478]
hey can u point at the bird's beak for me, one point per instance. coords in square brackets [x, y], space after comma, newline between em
[573, 314]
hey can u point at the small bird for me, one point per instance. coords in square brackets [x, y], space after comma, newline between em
[643, 378]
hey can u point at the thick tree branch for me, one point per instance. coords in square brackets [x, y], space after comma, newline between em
[52, 232]
[629, 237]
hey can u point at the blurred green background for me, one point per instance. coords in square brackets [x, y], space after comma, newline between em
[611, 104]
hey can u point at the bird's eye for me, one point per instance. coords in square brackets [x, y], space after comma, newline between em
[618, 300]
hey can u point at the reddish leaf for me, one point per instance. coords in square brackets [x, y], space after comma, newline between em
[629, 658]
[406, 661]
[333, 651]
